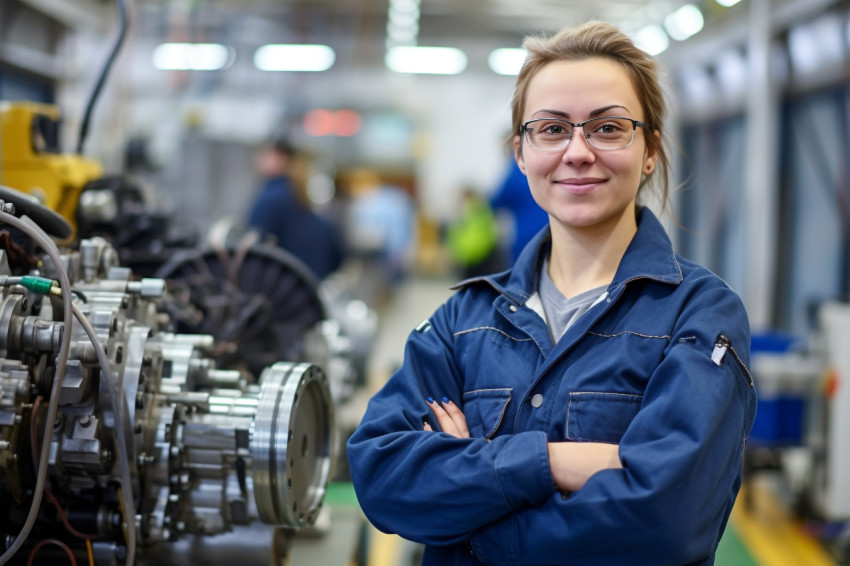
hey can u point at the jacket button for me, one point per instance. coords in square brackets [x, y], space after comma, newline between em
[537, 400]
[513, 308]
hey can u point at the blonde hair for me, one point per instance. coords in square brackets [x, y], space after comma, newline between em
[602, 40]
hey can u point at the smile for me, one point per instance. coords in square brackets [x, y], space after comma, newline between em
[580, 186]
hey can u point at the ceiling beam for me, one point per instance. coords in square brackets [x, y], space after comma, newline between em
[88, 14]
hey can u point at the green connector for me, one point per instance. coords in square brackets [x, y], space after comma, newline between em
[38, 284]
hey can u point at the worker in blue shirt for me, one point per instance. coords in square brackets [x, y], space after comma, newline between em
[280, 213]
[590, 405]
[527, 218]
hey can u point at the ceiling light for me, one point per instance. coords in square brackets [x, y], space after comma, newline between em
[684, 22]
[404, 5]
[191, 56]
[652, 39]
[507, 60]
[281, 57]
[426, 60]
[727, 3]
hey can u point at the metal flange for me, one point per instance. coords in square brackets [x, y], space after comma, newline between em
[292, 444]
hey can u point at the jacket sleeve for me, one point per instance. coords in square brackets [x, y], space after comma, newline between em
[430, 486]
[681, 457]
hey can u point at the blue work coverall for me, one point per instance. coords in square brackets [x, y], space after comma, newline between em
[658, 365]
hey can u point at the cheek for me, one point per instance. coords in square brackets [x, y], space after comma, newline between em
[539, 164]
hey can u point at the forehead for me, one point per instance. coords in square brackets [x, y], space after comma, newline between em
[579, 87]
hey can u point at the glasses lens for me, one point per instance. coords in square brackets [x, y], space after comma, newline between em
[609, 133]
[549, 134]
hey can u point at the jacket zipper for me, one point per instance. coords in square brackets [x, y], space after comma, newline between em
[722, 345]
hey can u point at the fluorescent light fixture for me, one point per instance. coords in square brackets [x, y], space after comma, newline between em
[652, 39]
[426, 60]
[403, 19]
[402, 36]
[507, 60]
[281, 57]
[727, 3]
[684, 22]
[191, 56]
[404, 6]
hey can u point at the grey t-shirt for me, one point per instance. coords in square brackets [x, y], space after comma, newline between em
[561, 312]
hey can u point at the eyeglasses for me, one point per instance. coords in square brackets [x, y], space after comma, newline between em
[606, 132]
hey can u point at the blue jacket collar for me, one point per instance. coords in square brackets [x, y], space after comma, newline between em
[649, 255]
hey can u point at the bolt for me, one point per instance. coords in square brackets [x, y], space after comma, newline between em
[85, 420]
[145, 460]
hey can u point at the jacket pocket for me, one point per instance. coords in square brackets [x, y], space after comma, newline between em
[485, 409]
[600, 417]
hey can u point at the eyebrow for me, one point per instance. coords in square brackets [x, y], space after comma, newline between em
[593, 113]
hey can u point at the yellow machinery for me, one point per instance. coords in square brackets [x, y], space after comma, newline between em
[30, 160]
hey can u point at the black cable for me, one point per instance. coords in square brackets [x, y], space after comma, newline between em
[119, 40]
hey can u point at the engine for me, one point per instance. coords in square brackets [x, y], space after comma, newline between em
[122, 442]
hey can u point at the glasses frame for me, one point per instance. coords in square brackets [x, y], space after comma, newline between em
[525, 129]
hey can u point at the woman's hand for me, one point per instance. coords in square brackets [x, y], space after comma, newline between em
[450, 418]
[573, 463]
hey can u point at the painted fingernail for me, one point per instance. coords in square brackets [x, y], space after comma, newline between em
[430, 399]
[445, 399]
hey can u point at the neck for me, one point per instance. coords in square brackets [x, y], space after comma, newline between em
[585, 258]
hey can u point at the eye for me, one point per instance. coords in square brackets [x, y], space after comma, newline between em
[609, 128]
[553, 129]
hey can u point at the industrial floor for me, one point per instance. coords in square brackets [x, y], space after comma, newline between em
[761, 531]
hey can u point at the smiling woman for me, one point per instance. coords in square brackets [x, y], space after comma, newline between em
[591, 404]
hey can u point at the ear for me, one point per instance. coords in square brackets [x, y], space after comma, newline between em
[651, 155]
[518, 154]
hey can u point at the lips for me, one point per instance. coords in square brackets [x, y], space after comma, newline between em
[581, 185]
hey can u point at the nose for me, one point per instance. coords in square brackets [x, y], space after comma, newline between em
[578, 150]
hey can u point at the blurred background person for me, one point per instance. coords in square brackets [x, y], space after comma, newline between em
[381, 222]
[525, 217]
[281, 212]
[472, 240]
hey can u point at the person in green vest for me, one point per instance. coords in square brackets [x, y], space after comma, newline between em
[473, 239]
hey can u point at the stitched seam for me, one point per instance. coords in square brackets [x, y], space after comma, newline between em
[508, 389]
[513, 541]
[570, 406]
[629, 395]
[499, 483]
[456, 334]
[663, 337]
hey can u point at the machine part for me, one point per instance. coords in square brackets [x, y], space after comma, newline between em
[52, 222]
[202, 451]
[258, 299]
[833, 489]
[114, 208]
[291, 421]
[31, 162]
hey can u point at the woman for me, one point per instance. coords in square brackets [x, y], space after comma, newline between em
[593, 401]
